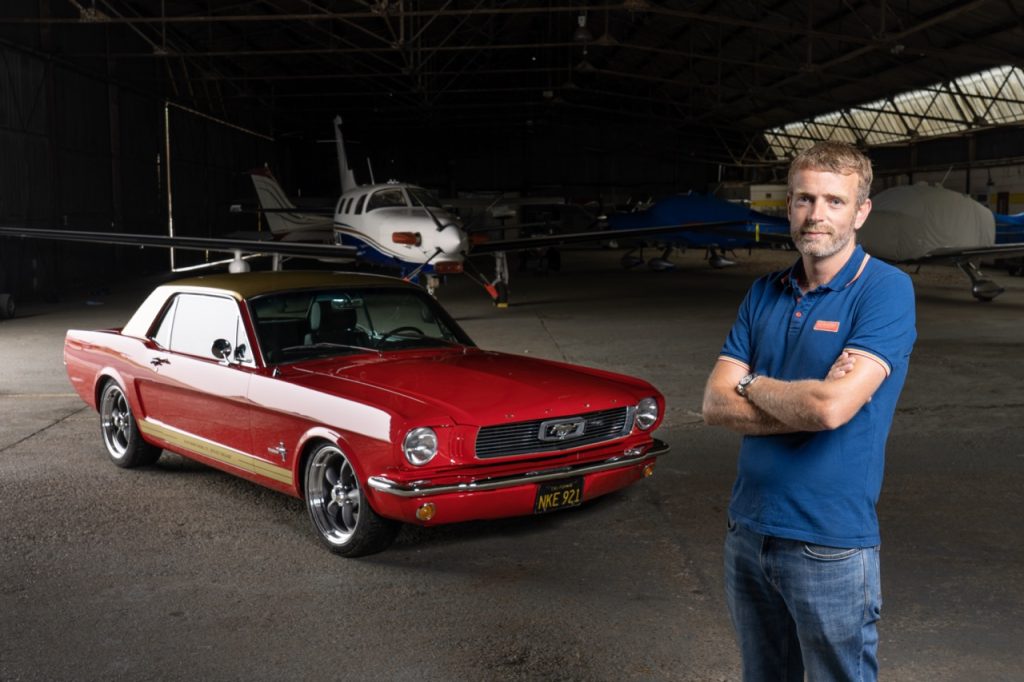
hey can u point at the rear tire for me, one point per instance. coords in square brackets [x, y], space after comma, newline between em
[342, 519]
[120, 433]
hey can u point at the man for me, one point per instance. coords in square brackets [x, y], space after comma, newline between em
[810, 374]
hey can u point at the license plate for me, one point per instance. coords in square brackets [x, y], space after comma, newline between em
[558, 495]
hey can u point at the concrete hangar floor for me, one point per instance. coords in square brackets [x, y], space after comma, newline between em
[179, 571]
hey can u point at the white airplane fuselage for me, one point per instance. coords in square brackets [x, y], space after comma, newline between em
[400, 225]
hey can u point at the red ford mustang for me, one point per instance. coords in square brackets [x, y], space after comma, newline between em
[360, 395]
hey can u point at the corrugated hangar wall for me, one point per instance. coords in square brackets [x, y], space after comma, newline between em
[80, 153]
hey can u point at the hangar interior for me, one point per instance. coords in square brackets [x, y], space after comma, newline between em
[127, 115]
[135, 115]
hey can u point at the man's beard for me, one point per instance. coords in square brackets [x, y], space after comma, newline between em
[823, 248]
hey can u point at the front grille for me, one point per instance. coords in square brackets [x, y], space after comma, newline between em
[523, 438]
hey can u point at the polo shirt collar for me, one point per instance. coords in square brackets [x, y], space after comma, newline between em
[844, 278]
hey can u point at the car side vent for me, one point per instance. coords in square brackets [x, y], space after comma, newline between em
[553, 435]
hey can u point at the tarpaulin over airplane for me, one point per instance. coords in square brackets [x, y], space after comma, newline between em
[912, 221]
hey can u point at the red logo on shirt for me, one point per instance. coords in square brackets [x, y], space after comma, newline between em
[826, 326]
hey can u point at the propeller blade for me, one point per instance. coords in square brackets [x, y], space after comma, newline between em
[430, 213]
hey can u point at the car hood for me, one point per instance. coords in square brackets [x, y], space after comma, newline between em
[479, 387]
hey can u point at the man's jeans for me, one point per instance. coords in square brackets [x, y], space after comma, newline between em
[797, 606]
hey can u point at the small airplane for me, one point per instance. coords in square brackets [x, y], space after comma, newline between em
[395, 225]
[737, 227]
[925, 224]
[404, 227]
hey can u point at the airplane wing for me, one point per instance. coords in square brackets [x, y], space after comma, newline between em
[247, 246]
[954, 254]
[729, 228]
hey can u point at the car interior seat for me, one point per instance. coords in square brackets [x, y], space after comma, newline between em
[334, 325]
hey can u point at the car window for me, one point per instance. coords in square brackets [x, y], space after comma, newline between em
[162, 336]
[386, 198]
[194, 321]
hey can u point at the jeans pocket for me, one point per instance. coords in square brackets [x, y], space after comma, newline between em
[824, 553]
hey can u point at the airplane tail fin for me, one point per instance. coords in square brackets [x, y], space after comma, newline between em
[348, 178]
[275, 203]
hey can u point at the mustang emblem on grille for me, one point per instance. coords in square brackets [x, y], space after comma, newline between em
[562, 429]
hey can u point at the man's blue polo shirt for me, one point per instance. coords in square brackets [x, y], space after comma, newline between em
[822, 487]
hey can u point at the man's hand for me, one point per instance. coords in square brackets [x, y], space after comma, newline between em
[841, 367]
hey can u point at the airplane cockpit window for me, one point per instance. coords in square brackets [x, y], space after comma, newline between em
[386, 198]
[421, 197]
[359, 204]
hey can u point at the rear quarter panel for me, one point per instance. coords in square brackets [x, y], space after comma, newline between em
[90, 357]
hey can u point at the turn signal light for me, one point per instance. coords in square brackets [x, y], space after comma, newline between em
[448, 267]
[648, 469]
[426, 511]
[407, 238]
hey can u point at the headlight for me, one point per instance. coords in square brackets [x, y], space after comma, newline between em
[646, 413]
[420, 445]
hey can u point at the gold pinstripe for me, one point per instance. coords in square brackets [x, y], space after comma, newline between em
[208, 448]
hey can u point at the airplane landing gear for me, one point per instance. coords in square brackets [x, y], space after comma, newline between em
[663, 263]
[717, 259]
[982, 289]
[498, 288]
[629, 261]
[432, 283]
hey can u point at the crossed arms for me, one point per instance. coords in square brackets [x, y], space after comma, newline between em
[773, 406]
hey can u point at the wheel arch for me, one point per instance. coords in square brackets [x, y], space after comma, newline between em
[321, 435]
[313, 439]
[104, 377]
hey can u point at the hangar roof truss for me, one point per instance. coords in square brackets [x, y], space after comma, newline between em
[706, 76]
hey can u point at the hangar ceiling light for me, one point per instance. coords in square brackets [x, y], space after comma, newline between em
[992, 97]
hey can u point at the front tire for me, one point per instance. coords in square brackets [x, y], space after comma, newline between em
[120, 432]
[342, 519]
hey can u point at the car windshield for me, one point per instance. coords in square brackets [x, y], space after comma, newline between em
[298, 325]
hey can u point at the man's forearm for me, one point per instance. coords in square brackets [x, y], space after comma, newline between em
[738, 414]
[795, 404]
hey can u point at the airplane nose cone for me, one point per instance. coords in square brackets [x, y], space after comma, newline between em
[451, 240]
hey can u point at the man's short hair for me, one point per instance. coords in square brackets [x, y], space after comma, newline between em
[835, 157]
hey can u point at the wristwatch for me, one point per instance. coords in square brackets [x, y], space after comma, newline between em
[745, 383]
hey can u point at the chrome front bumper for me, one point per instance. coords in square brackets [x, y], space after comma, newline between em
[424, 488]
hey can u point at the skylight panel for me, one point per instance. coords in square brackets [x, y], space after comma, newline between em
[991, 97]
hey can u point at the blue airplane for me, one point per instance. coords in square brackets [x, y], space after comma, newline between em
[701, 221]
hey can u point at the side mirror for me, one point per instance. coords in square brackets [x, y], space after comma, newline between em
[221, 349]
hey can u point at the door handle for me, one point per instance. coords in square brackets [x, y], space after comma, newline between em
[156, 362]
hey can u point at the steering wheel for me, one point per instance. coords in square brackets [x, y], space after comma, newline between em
[396, 330]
